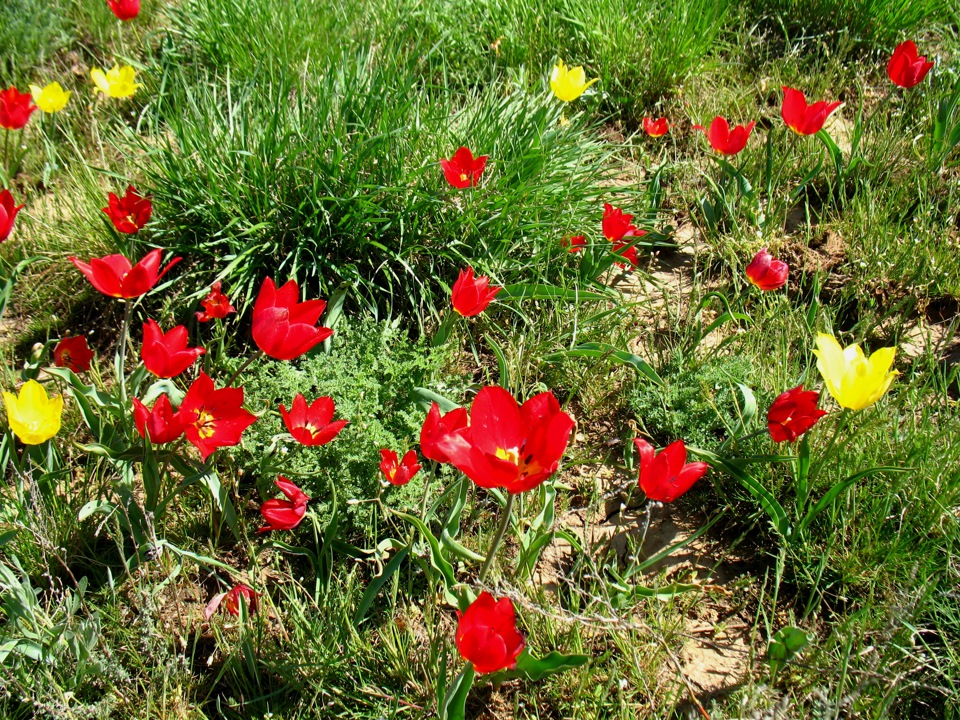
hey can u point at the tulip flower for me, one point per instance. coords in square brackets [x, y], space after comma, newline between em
[284, 328]
[15, 108]
[73, 353]
[124, 9]
[215, 305]
[569, 83]
[802, 118]
[117, 82]
[793, 413]
[114, 276]
[436, 428]
[213, 418]
[463, 170]
[508, 445]
[166, 355]
[231, 601]
[574, 244]
[129, 213]
[51, 98]
[667, 475]
[855, 381]
[8, 213]
[655, 128]
[471, 296]
[724, 140]
[616, 224]
[31, 415]
[160, 424]
[398, 472]
[313, 425]
[284, 514]
[905, 68]
[629, 254]
[487, 634]
[767, 273]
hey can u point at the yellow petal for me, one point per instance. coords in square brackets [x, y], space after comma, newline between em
[100, 80]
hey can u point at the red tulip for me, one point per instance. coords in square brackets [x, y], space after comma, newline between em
[231, 601]
[487, 634]
[655, 128]
[130, 212]
[463, 170]
[8, 213]
[724, 140]
[215, 305]
[73, 353]
[113, 275]
[767, 273]
[666, 476]
[312, 426]
[166, 355]
[436, 428]
[630, 253]
[616, 224]
[15, 108]
[213, 418]
[161, 422]
[470, 295]
[283, 327]
[905, 68]
[398, 472]
[574, 244]
[802, 118]
[792, 414]
[124, 9]
[284, 514]
[508, 445]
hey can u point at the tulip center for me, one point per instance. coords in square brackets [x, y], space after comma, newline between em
[463, 177]
[525, 465]
[206, 425]
[509, 455]
[312, 429]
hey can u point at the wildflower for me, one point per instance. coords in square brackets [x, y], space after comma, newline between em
[724, 140]
[463, 170]
[213, 418]
[284, 328]
[232, 599]
[129, 213]
[124, 9]
[31, 415]
[160, 424]
[284, 514]
[398, 472]
[117, 82]
[487, 634]
[767, 273]
[471, 296]
[51, 98]
[655, 128]
[8, 213]
[73, 353]
[629, 254]
[793, 413]
[313, 425]
[114, 276]
[616, 223]
[215, 305]
[905, 68]
[855, 381]
[436, 428]
[508, 445]
[166, 355]
[802, 118]
[574, 244]
[568, 83]
[667, 475]
[15, 108]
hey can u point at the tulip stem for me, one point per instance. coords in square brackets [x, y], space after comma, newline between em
[258, 354]
[122, 353]
[498, 538]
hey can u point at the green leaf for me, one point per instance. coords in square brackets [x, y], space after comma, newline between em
[335, 310]
[455, 699]
[502, 366]
[370, 594]
[525, 291]
[784, 646]
[834, 492]
[534, 668]
[437, 560]
[597, 350]
[426, 397]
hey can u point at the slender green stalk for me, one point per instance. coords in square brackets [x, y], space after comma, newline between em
[243, 367]
[498, 538]
[122, 353]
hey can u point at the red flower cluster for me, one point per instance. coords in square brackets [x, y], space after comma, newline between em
[284, 514]
[906, 67]
[283, 327]
[802, 118]
[130, 212]
[767, 273]
[15, 108]
[215, 305]
[113, 275]
[8, 213]
[471, 295]
[73, 353]
[724, 140]
[398, 472]
[312, 425]
[793, 413]
[463, 170]
[667, 475]
[166, 355]
[487, 634]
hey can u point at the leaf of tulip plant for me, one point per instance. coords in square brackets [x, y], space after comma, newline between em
[502, 366]
[596, 350]
[834, 492]
[784, 646]
[425, 397]
[437, 560]
[454, 705]
[529, 291]
[370, 594]
[533, 668]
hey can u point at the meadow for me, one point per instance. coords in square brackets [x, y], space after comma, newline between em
[489, 359]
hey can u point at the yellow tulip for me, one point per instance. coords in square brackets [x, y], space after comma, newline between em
[50, 99]
[117, 82]
[569, 83]
[854, 380]
[33, 417]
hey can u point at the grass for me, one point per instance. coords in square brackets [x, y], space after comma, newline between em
[303, 141]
